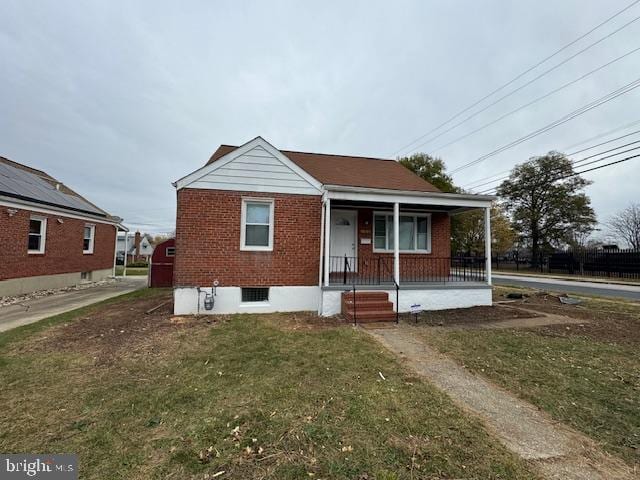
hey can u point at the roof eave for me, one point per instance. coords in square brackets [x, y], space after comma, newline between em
[409, 193]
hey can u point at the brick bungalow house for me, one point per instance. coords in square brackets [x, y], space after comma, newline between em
[264, 230]
[51, 236]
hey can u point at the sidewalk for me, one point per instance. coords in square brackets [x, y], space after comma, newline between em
[572, 278]
[563, 281]
[31, 311]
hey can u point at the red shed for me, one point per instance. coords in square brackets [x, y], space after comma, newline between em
[162, 260]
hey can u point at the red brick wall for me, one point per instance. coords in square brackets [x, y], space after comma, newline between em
[63, 246]
[440, 235]
[208, 241]
[413, 266]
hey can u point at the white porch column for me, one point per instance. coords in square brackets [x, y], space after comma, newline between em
[124, 268]
[487, 242]
[396, 242]
[115, 252]
[327, 236]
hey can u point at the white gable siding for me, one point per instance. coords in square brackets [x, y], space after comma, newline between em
[256, 171]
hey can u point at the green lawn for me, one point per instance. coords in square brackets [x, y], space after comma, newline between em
[133, 271]
[589, 383]
[140, 396]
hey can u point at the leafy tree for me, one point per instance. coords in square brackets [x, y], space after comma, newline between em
[467, 229]
[431, 169]
[546, 204]
[468, 232]
[626, 225]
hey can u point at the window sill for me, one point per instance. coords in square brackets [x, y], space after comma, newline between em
[256, 249]
[411, 252]
[33, 252]
[87, 253]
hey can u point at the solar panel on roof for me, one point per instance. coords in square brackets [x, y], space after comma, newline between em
[15, 181]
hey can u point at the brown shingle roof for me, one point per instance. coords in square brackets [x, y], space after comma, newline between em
[351, 171]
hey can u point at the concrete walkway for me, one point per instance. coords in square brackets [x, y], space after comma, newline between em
[31, 311]
[555, 450]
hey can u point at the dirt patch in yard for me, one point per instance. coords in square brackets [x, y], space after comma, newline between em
[604, 320]
[122, 329]
[474, 316]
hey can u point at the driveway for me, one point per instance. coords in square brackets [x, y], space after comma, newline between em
[37, 309]
[629, 292]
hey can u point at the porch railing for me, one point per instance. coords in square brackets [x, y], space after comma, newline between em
[378, 270]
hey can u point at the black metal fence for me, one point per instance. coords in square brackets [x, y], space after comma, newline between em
[378, 270]
[586, 262]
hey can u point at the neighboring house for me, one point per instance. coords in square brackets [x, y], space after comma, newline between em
[291, 231]
[139, 247]
[51, 236]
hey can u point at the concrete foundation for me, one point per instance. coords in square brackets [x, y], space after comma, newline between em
[19, 286]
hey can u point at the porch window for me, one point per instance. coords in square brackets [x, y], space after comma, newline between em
[257, 224]
[415, 233]
[88, 239]
[37, 234]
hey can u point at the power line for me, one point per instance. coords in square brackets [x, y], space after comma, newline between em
[522, 107]
[517, 77]
[587, 170]
[605, 134]
[574, 162]
[474, 184]
[570, 116]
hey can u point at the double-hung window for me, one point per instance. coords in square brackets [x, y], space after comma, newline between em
[88, 239]
[257, 224]
[37, 234]
[414, 233]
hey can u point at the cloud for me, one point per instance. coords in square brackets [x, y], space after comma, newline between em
[118, 99]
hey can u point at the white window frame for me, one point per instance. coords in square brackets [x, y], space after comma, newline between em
[166, 252]
[243, 225]
[92, 239]
[43, 234]
[390, 226]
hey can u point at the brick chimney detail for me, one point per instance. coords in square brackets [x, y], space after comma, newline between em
[137, 244]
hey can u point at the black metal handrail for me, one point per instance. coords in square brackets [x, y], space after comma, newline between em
[397, 297]
[378, 270]
[347, 268]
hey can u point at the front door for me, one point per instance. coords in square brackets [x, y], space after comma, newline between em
[344, 224]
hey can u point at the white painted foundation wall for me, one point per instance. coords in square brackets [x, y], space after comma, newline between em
[228, 300]
[429, 299]
[298, 299]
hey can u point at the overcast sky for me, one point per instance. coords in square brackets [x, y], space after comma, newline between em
[118, 99]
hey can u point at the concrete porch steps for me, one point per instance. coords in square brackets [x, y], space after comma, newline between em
[369, 307]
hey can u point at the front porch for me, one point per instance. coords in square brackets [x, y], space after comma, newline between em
[415, 271]
[400, 242]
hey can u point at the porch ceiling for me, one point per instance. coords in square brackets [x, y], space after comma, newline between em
[388, 206]
[452, 209]
[435, 201]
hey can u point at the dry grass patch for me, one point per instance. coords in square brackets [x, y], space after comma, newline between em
[255, 397]
[585, 375]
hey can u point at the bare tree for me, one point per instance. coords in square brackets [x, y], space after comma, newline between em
[626, 225]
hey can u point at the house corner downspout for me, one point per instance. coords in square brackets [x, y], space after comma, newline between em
[321, 259]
